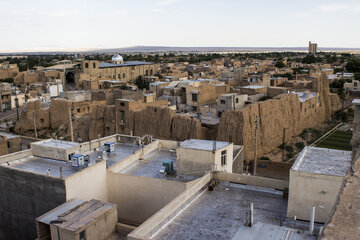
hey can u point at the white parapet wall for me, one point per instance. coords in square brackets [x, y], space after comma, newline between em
[158, 220]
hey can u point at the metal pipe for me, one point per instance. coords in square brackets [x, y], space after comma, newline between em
[252, 214]
[312, 220]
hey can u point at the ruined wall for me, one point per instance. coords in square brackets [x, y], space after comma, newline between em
[102, 121]
[24, 197]
[162, 122]
[8, 72]
[26, 120]
[59, 112]
[279, 119]
[3, 146]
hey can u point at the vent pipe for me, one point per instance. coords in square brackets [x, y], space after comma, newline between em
[312, 220]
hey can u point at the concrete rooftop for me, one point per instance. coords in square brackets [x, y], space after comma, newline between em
[206, 145]
[56, 144]
[152, 163]
[122, 151]
[221, 213]
[41, 165]
[323, 161]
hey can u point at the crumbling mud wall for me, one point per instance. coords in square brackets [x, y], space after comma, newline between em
[278, 119]
[161, 122]
[26, 120]
[102, 121]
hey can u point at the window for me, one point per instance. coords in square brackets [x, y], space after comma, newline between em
[222, 101]
[122, 104]
[237, 100]
[82, 235]
[94, 65]
[124, 75]
[147, 72]
[9, 145]
[78, 110]
[355, 84]
[122, 116]
[194, 97]
[86, 65]
[119, 76]
[151, 72]
[223, 158]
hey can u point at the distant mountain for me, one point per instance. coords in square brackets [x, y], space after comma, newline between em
[162, 49]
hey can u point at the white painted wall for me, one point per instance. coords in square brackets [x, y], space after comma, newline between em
[307, 189]
[198, 162]
[138, 198]
[89, 183]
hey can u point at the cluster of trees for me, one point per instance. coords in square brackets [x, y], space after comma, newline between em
[353, 65]
[35, 60]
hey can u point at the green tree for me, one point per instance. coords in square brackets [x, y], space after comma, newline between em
[353, 65]
[279, 64]
[357, 76]
[141, 83]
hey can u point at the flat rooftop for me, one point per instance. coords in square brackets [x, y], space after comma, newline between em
[206, 145]
[8, 135]
[125, 64]
[121, 151]
[323, 161]
[41, 165]
[253, 87]
[152, 163]
[56, 144]
[220, 214]
[304, 96]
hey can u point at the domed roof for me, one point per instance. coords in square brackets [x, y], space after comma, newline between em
[117, 58]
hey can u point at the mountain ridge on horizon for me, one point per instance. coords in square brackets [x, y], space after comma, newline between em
[154, 49]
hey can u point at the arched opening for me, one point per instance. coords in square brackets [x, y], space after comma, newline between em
[70, 78]
[124, 75]
[151, 72]
[86, 65]
[119, 76]
[147, 72]
[94, 65]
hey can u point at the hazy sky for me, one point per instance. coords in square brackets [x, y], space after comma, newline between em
[80, 24]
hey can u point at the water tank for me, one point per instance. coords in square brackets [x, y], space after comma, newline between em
[109, 147]
[77, 160]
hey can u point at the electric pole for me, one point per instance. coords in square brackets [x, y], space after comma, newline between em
[255, 158]
[35, 125]
[71, 126]
[17, 105]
